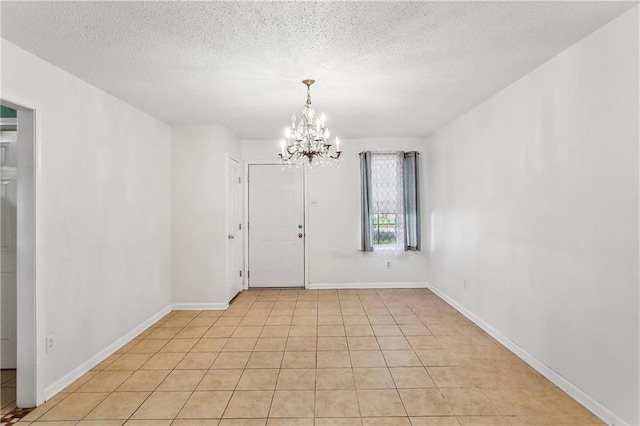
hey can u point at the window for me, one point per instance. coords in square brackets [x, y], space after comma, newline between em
[390, 202]
[385, 228]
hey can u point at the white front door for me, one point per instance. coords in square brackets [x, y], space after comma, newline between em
[8, 299]
[234, 230]
[276, 226]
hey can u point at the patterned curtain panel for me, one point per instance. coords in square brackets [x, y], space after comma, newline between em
[390, 202]
[387, 202]
[411, 201]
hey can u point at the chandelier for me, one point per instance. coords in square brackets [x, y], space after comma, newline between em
[309, 137]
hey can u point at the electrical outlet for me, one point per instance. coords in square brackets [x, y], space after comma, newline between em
[464, 284]
[388, 264]
[51, 344]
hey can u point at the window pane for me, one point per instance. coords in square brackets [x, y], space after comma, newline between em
[385, 228]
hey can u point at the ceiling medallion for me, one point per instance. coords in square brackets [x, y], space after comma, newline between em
[308, 138]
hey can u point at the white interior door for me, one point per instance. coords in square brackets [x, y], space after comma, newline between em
[8, 238]
[276, 226]
[234, 229]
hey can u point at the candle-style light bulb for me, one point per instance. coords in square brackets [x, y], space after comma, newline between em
[282, 145]
[323, 118]
[337, 143]
[287, 132]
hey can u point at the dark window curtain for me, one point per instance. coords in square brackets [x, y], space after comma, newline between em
[366, 242]
[411, 201]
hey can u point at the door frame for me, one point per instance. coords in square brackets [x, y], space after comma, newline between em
[31, 298]
[305, 207]
[229, 157]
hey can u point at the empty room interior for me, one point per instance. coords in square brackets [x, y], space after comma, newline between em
[320, 213]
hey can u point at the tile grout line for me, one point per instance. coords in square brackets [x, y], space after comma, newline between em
[195, 389]
[159, 384]
[173, 314]
[235, 388]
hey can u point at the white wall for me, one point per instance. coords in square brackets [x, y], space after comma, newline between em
[106, 203]
[333, 230]
[533, 198]
[199, 208]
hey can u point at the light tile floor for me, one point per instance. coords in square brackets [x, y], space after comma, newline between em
[7, 391]
[303, 357]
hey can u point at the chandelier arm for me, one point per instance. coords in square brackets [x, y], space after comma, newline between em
[282, 157]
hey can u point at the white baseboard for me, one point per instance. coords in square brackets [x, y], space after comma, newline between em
[556, 378]
[200, 306]
[74, 375]
[344, 286]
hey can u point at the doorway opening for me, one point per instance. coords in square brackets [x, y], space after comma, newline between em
[19, 317]
[8, 255]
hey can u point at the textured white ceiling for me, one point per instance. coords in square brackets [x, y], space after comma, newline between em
[382, 68]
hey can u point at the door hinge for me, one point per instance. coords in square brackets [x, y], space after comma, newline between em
[240, 226]
[248, 274]
[240, 273]
[239, 180]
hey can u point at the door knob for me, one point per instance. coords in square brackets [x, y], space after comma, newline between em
[299, 226]
[300, 235]
[231, 236]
